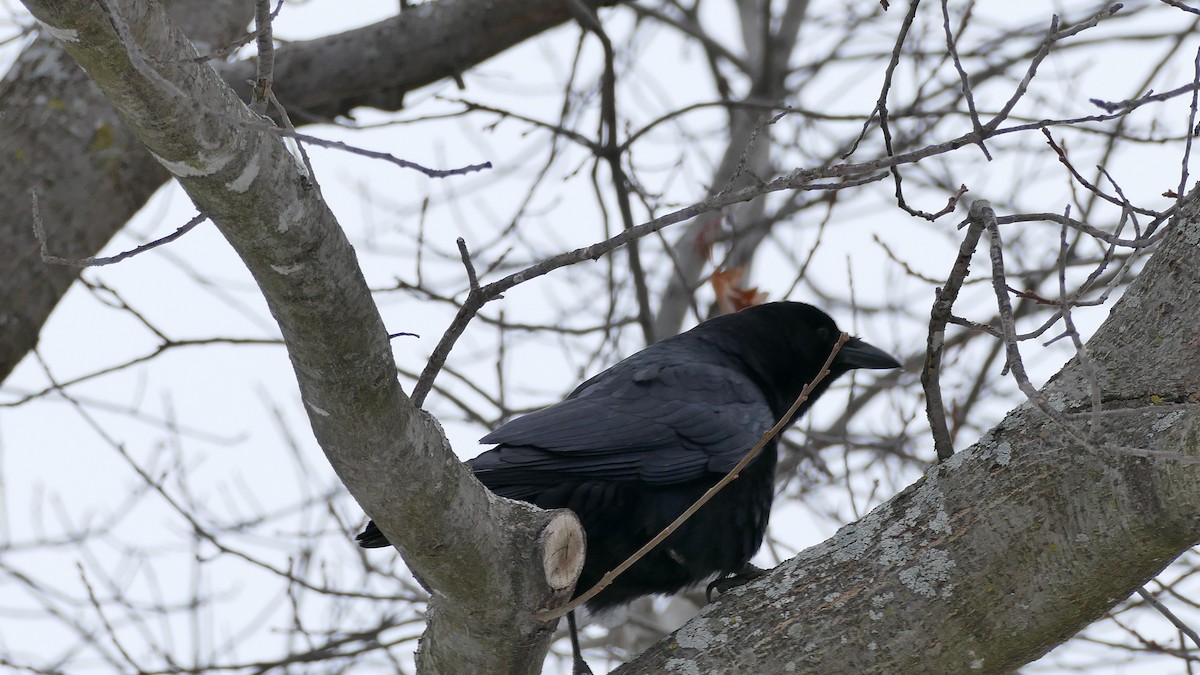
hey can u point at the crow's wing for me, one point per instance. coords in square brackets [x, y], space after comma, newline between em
[652, 420]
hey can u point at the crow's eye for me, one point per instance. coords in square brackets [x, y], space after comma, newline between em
[825, 334]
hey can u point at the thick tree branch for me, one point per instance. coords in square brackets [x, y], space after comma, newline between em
[392, 456]
[1013, 545]
[375, 66]
[63, 139]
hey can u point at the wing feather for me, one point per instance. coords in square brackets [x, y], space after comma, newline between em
[658, 422]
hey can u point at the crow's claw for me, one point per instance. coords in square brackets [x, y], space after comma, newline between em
[725, 584]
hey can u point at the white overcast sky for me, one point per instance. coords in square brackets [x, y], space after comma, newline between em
[54, 465]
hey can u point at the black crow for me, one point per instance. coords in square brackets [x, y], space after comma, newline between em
[633, 447]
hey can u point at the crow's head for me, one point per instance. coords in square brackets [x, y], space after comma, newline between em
[782, 346]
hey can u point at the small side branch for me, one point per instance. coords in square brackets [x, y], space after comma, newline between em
[476, 298]
[1012, 351]
[610, 152]
[1169, 615]
[943, 306]
[265, 42]
[39, 231]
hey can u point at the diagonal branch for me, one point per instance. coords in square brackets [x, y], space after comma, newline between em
[392, 457]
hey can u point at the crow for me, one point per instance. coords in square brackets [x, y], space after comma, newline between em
[633, 447]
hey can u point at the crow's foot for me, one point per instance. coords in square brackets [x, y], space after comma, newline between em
[725, 584]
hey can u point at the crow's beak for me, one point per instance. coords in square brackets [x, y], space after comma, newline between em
[858, 354]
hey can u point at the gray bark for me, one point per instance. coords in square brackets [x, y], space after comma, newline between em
[1013, 545]
[488, 562]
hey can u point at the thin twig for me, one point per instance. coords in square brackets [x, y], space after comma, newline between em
[1013, 361]
[108, 627]
[881, 102]
[690, 26]
[1179, 5]
[1064, 308]
[882, 110]
[465, 254]
[310, 173]
[237, 44]
[1150, 97]
[39, 231]
[611, 153]
[943, 306]
[744, 158]
[1052, 36]
[556, 129]
[952, 47]
[1091, 187]
[476, 297]
[266, 56]
[1141, 242]
[1169, 615]
[387, 157]
[1191, 131]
